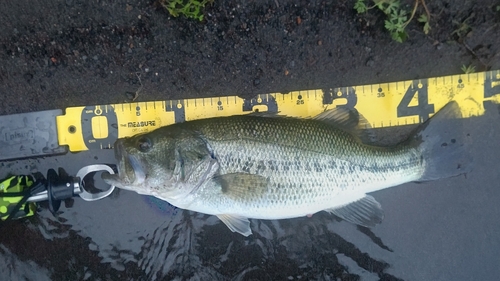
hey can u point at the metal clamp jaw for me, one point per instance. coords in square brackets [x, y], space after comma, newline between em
[83, 172]
[59, 187]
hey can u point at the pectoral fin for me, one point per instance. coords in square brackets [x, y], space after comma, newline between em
[236, 224]
[365, 212]
[242, 186]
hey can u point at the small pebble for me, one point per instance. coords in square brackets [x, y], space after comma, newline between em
[370, 62]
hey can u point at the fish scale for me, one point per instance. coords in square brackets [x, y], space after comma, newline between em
[302, 168]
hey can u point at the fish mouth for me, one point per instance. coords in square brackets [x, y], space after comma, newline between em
[130, 170]
[119, 149]
[137, 167]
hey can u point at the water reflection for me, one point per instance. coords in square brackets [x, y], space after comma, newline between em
[133, 237]
[16, 269]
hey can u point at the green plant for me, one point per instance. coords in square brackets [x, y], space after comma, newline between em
[462, 27]
[189, 8]
[397, 17]
[468, 69]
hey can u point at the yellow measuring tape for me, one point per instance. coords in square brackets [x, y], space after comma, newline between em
[383, 105]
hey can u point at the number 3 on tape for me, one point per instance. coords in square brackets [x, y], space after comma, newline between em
[383, 105]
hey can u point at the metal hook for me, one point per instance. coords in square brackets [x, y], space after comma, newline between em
[83, 172]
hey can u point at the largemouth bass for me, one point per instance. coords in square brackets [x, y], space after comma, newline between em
[264, 167]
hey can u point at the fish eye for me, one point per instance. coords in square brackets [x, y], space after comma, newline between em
[144, 144]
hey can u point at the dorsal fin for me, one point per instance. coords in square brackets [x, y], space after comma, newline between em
[350, 120]
[344, 118]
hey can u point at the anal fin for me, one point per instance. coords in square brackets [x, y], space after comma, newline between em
[366, 212]
[236, 224]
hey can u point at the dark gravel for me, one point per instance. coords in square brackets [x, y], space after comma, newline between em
[56, 54]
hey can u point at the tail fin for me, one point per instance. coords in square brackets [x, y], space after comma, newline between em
[444, 144]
